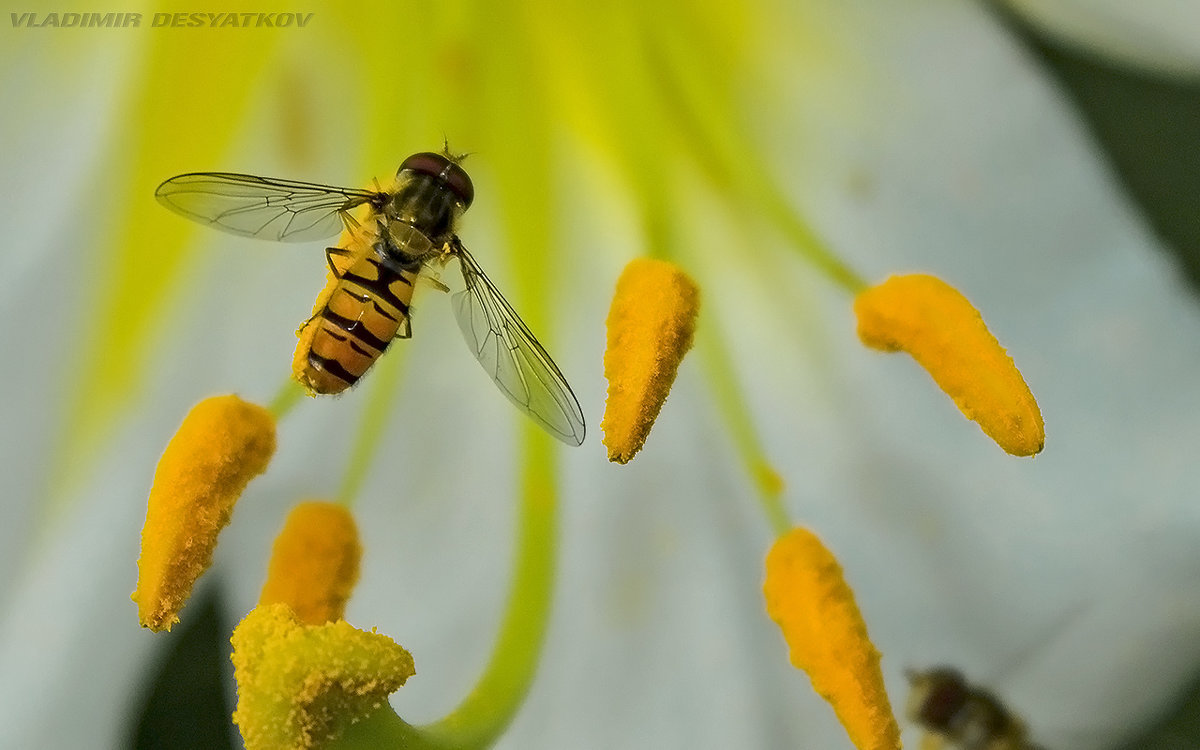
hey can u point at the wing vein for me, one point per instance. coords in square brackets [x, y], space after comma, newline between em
[512, 356]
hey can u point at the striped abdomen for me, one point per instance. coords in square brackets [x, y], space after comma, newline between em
[358, 314]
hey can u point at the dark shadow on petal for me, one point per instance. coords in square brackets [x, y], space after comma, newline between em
[1178, 729]
[185, 702]
[1147, 123]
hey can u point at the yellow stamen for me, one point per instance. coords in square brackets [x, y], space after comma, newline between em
[808, 597]
[223, 443]
[933, 322]
[650, 328]
[300, 686]
[314, 563]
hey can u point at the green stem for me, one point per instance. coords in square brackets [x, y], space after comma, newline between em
[805, 239]
[699, 97]
[728, 395]
[489, 708]
[730, 400]
[286, 398]
[492, 704]
[382, 729]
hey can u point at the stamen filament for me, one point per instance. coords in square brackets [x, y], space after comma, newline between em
[727, 394]
[488, 709]
[286, 398]
[730, 157]
[731, 401]
[805, 239]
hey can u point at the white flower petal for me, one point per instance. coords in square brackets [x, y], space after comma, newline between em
[1020, 572]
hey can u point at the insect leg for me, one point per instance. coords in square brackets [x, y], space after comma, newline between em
[431, 281]
[405, 330]
[340, 252]
[348, 220]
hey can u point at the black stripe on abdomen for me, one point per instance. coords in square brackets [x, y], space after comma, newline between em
[333, 367]
[347, 339]
[380, 288]
[354, 328]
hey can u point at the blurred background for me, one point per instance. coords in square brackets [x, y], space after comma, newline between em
[1039, 154]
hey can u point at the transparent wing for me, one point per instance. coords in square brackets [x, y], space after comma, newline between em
[512, 356]
[282, 210]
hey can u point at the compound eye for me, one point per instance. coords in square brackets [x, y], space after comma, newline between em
[460, 183]
[444, 169]
[426, 163]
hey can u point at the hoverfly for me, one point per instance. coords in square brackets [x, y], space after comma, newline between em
[404, 233]
[957, 714]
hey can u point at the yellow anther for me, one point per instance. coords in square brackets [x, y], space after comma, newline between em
[933, 322]
[314, 563]
[223, 443]
[650, 327]
[808, 597]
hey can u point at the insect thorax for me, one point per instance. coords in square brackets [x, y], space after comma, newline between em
[403, 246]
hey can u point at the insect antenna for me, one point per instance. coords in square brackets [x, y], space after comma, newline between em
[456, 158]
